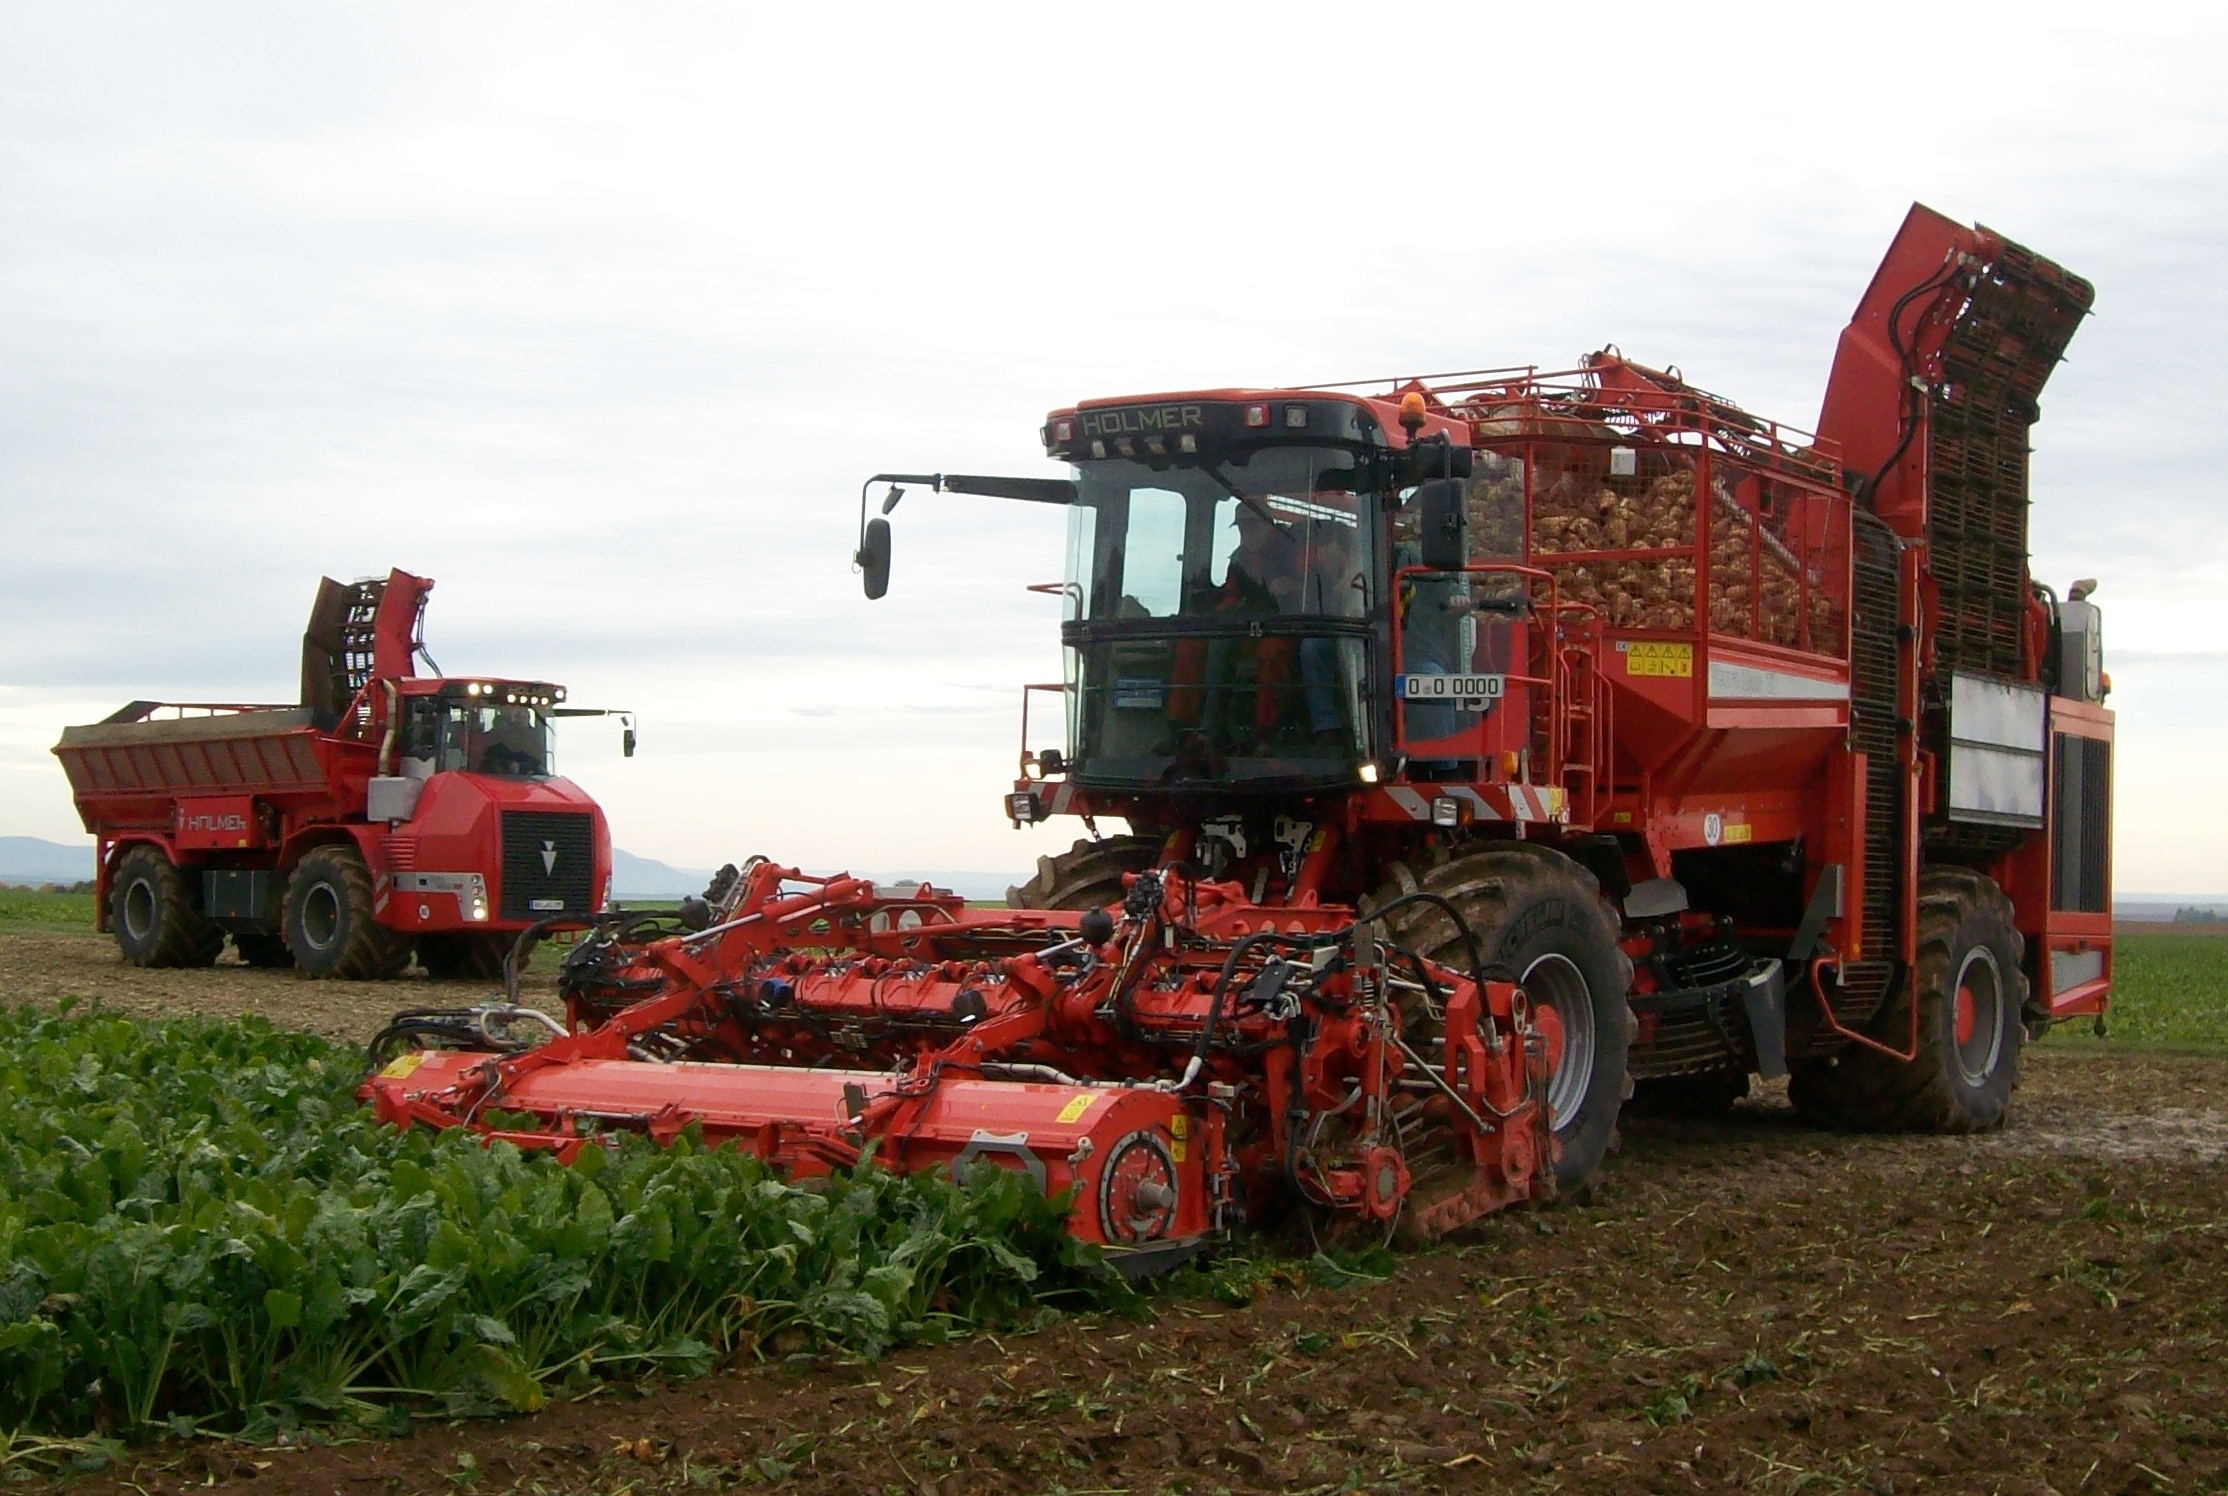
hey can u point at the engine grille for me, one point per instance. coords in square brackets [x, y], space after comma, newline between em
[2081, 843]
[549, 864]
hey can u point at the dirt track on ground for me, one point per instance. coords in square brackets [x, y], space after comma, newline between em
[45, 966]
[1756, 1304]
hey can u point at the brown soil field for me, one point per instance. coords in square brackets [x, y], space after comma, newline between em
[48, 965]
[1755, 1305]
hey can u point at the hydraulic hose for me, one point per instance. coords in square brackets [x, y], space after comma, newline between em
[1461, 925]
[1910, 429]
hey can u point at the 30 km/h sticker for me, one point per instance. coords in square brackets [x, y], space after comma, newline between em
[1642, 658]
[1455, 690]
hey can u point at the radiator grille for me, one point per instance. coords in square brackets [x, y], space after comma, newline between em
[549, 864]
[2081, 839]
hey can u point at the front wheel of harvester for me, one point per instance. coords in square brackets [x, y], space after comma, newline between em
[150, 907]
[465, 956]
[1970, 991]
[1541, 917]
[1087, 875]
[330, 925]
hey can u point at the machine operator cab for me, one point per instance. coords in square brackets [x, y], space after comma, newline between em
[1237, 569]
[498, 728]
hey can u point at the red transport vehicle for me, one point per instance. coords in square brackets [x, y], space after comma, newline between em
[1494, 749]
[387, 813]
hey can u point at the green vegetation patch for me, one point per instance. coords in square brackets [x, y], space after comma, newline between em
[200, 1229]
[2168, 992]
[46, 909]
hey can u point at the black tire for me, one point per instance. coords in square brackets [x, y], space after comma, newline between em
[1086, 876]
[464, 956]
[266, 951]
[151, 912]
[1709, 1097]
[1540, 916]
[330, 926]
[1968, 1053]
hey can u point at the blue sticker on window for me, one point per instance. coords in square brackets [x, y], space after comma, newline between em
[1139, 694]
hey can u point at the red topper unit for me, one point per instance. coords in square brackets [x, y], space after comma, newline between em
[1492, 747]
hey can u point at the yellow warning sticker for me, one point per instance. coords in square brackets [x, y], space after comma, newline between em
[1659, 659]
[1176, 1151]
[1179, 1126]
[1739, 833]
[1076, 1107]
[401, 1065]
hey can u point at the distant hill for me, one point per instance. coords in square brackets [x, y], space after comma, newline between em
[635, 877]
[29, 860]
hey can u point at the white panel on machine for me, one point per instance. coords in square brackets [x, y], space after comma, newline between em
[1997, 732]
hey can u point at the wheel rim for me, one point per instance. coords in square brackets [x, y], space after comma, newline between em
[1554, 981]
[321, 915]
[139, 909]
[1978, 1035]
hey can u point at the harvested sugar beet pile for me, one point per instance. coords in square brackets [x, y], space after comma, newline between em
[201, 1231]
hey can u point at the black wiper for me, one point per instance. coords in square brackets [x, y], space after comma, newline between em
[1249, 501]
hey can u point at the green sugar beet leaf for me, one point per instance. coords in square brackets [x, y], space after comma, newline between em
[201, 1229]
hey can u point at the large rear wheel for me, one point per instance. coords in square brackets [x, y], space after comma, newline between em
[150, 909]
[1540, 918]
[1086, 876]
[330, 923]
[1970, 991]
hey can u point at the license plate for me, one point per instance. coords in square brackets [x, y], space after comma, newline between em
[1472, 691]
[546, 906]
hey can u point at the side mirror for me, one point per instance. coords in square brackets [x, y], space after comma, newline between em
[874, 556]
[1444, 513]
[626, 741]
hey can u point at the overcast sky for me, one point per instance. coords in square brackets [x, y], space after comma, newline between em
[599, 315]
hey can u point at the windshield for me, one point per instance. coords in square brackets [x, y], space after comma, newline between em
[1220, 611]
[1276, 531]
[478, 738]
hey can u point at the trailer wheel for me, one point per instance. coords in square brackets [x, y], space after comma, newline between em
[266, 951]
[1087, 875]
[330, 925]
[1541, 917]
[150, 907]
[464, 956]
[1970, 991]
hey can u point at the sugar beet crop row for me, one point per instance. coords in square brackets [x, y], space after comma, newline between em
[200, 1229]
